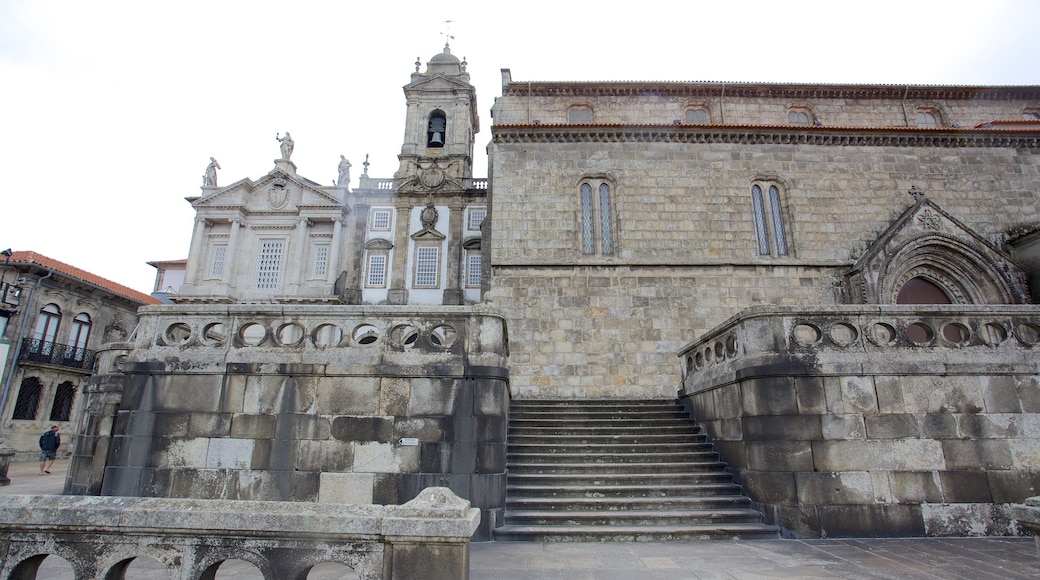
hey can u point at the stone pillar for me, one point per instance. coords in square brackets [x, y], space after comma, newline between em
[6, 453]
[295, 271]
[333, 268]
[230, 255]
[452, 285]
[104, 392]
[398, 293]
[197, 252]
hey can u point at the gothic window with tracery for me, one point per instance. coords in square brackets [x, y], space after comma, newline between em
[597, 217]
[767, 208]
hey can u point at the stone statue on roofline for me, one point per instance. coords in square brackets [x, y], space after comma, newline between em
[285, 144]
[210, 178]
[344, 172]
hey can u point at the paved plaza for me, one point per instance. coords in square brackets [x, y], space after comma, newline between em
[902, 558]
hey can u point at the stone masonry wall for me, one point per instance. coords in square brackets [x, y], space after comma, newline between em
[313, 404]
[839, 424]
[686, 256]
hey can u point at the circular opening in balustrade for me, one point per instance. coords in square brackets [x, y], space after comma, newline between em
[698, 361]
[365, 334]
[882, 334]
[843, 334]
[404, 335]
[177, 333]
[443, 336]
[919, 333]
[731, 346]
[993, 333]
[956, 333]
[1028, 333]
[290, 334]
[689, 363]
[327, 335]
[805, 334]
[720, 352]
[252, 334]
[120, 363]
[708, 356]
[214, 334]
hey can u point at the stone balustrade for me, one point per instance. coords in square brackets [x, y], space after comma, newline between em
[100, 537]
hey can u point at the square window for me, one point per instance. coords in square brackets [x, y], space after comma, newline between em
[476, 217]
[381, 219]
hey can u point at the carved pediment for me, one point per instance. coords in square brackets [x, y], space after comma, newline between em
[927, 242]
[275, 192]
[438, 83]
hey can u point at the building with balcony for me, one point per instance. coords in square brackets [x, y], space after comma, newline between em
[56, 317]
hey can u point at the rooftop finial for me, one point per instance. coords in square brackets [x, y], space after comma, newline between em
[916, 192]
[447, 33]
[366, 164]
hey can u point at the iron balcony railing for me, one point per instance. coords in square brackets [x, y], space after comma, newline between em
[64, 355]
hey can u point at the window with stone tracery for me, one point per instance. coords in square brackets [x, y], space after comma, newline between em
[768, 211]
[597, 217]
[928, 117]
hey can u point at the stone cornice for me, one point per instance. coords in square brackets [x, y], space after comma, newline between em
[767, 135]
[766, 90]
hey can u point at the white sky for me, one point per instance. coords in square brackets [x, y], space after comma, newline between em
[110, 109]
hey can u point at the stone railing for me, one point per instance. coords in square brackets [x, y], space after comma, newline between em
[100, 537]
[1028, 517]
[842, 336]
[332, 336]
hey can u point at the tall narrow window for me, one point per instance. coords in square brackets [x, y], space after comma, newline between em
[437, 127]
[269, 265]
[64, 397]
[767, 208]
[216, 262]
[376, 277]
[46, 331]
[79, 335]
[597, 217]
[28, 403]
[473, 264]
[426, 258]
[320, 265]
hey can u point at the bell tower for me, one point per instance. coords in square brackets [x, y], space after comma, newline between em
[442, 119]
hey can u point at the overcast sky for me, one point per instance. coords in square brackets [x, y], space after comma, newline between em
[111, 109]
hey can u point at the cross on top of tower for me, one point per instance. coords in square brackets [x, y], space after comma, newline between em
[447, 32]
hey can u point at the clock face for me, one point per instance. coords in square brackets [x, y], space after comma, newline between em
[432, 177]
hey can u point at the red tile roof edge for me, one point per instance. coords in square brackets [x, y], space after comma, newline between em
[30, 257]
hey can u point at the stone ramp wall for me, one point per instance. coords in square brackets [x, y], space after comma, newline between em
[840, 422]
[427, 537]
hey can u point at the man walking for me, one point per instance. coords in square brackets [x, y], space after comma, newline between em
[49, 443]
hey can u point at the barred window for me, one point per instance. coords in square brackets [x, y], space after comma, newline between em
[381, 219]
[769, 221]
[476, 217]
[269, 265]
[216, 262]
[28, 402]
[320, 266]
[376, 271]
[64, 397]
[474, 259]
[426, 258]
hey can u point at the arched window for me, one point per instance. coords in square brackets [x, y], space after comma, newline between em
[928, 117]
[597, 217]
[80, 334]
[46, 331]
[64, 397]
[800, 115]
[435, 132]
[579, 114]
[28, 402]
[769, 219]
[697, 115]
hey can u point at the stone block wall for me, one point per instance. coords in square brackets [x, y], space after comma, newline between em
[313, 404]
[838, 424]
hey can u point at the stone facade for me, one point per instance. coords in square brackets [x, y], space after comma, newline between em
[685, 251]
[842, 421]
[55, 318]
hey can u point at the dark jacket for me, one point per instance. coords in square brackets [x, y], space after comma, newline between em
[50, 441]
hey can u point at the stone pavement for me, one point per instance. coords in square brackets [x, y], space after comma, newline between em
[902, 558]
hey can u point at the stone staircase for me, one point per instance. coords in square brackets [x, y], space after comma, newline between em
[618, 471]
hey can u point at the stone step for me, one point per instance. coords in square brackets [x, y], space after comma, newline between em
[586, 503]
[619, 478]
[590, 457]
[666, 517]
[620, 489]
[535, 449]
[594, 403]
[614, 423]
[642, 468]
[615, 414]
[606, 429]
[608, 438]
[613, 533]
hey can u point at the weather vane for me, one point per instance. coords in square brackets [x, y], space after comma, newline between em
[447, 32]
